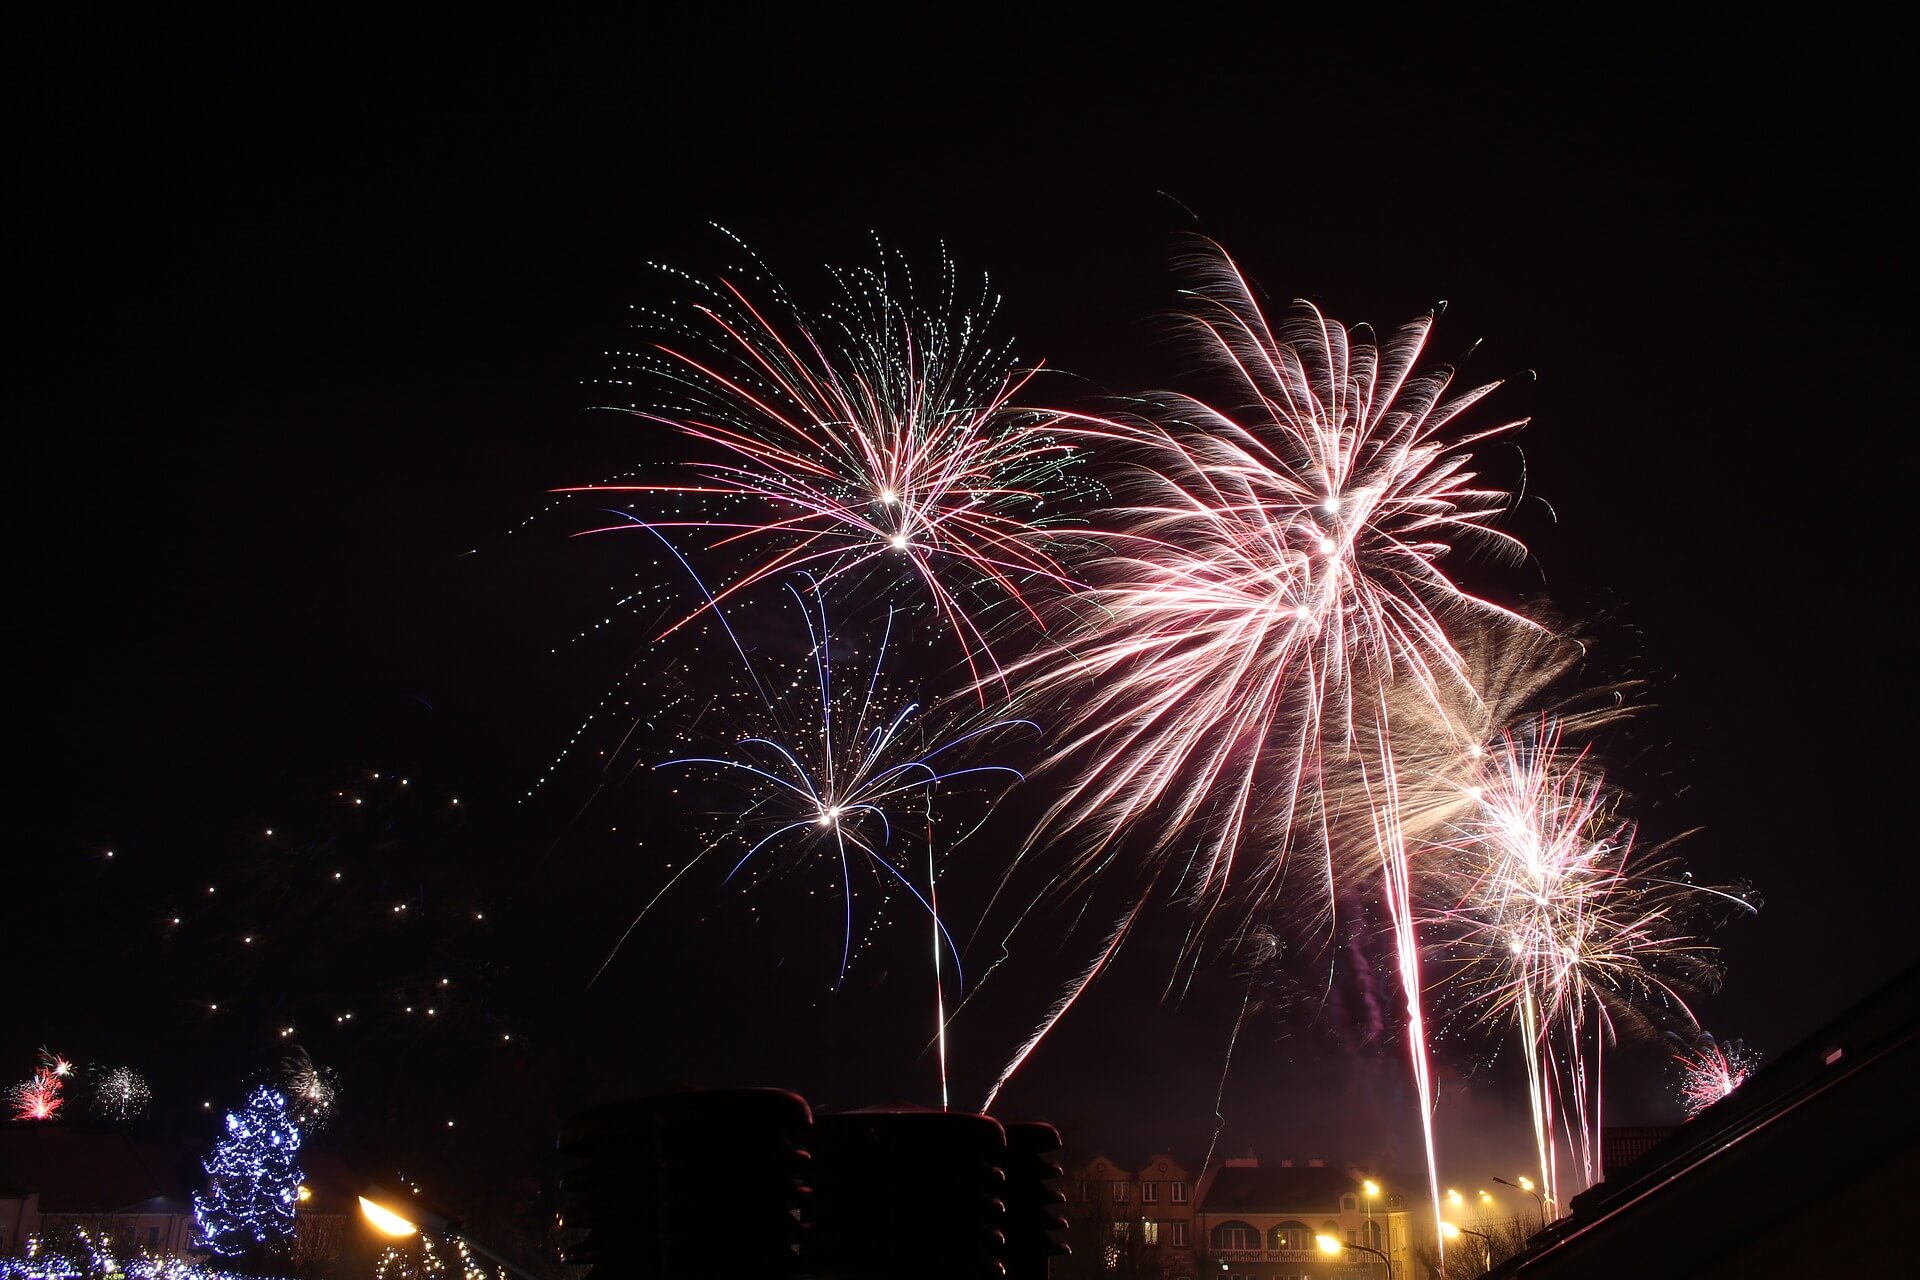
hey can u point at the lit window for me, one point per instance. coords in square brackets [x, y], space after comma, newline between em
[1292, 1235]
[1236, 1237]
[1149, 1193]
[1178, 1192]
[1150, 1232]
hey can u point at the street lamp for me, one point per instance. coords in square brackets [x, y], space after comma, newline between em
[1372, 1189]
[1526, 1184]
[386, 1221]
[1453, 1232]
[383, 1218]
[1332, 1247]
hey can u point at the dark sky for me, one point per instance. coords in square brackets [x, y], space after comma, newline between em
[306, 311]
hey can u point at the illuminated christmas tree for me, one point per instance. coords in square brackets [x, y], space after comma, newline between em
[254, 1179]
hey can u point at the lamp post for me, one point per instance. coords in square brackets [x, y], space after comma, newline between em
[1331, 1247]
[1526, 1184]
[1453, 1232]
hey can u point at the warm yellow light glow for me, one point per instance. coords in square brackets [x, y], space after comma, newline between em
[306, 1194]
[1372, 1187]
[1450, 1231]
[1455, 1198]
[386, 1221]
[1526, 1183]
[1328, 1245]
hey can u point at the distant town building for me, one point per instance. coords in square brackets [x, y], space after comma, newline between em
[1129, 1222]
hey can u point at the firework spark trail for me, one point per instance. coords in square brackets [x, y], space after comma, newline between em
[1065, 1002]
[893, 442]
[1397, 895]
[1712, 1071]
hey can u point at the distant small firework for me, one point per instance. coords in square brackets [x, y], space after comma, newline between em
[1712, 1071]
[879, 435]
[122, 1094]
[312, 1091]
[38, 1098]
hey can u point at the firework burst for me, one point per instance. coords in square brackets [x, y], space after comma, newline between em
[313, 1092]
[879, 437]
[1564, 927]
[1273, 563]
[39, 1097]
[830, 766]
[1712, 1071]
[122, 1094]
[1270, 565]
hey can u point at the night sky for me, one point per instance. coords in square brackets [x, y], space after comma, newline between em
[307, 324]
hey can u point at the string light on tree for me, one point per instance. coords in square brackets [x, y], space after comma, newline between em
[254, 1179]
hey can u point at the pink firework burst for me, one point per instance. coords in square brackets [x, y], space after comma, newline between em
[39, 1098]
[1272, 563]
[1713, 1071]
[1562, 926]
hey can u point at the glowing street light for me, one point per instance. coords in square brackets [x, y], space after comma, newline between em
[1372, 1189]
[386, 1221]
[1332, 1247]
[1454, 1232]
[1526, 1184]
[423, 1222]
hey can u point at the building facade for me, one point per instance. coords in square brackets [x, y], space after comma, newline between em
[1129, 1221]
[1254, 1222]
